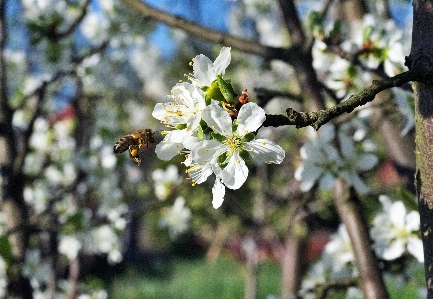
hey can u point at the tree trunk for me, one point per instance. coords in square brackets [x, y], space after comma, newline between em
[12, 201]
[421, 62]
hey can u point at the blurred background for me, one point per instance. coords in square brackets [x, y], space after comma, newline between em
[81, 74]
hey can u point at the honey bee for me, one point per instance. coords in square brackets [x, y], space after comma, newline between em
[134, 142]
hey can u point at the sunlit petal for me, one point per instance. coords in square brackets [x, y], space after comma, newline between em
[218, 119]
[218, 192]
[250, 118]
[265, 151]
[235, 173]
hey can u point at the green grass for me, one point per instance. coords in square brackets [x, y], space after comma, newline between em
[196, 279]
[184, 278]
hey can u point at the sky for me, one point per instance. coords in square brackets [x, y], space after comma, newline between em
[212, 13]
[209, 13]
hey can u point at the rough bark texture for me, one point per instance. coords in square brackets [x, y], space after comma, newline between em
[421, 62]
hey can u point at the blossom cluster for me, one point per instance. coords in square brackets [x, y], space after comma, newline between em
[395, 231]
[324, 162]
[214, 128]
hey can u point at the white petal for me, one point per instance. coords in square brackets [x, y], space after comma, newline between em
[190, 141]
[218, 192]
[222, 61]
[309, 175]
[327, 181]
[250, 118]
[200, 173]
[263, 150]
[182, 92]
[330, 153]
[307, 185]
[171, 145]
[218, 119]
[367, 162]
[397, 214]
[395, 250]
[167, 150]
[203, 70]
[353, 179]
[298, 173]
[347, 145]
[415, 247]
[160, 112]
[412, 221]
[235, 173]
[327, 132]
[207, 150]
[386, 202]
[382, 231]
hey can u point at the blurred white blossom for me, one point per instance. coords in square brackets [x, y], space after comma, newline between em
[338, 254]
[69, 246]
[176, 218]
[324, 163]
[3, 277]
[165, 180]
[105, 240]
[395, 231]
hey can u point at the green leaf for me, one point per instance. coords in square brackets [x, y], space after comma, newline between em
[213, 92]
[53, 52]
[315, 21]
[5, 249]
[222, 160]
[234, 125]
[336, 30]
[200, 132]
[218, 137]
[249, 137]
[407, 198]
[226, 90]
[366, 34]
[180, 126]
[244, 155]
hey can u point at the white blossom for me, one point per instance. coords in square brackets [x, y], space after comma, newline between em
[206, 71]
[185, 108]
[324, 163]
[164, 180]
[338, 254]
[395, 231]
[69, 246]
[176, 218]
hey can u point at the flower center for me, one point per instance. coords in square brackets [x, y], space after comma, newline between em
[234, 143]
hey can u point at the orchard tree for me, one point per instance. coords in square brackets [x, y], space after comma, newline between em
[85, 76]
[300, 57]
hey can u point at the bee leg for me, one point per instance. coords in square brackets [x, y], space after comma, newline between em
[134, 153]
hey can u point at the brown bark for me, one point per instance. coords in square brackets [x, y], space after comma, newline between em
[291, 265]
[420, 61]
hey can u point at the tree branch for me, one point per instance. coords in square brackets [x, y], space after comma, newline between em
[318, 118]
[39, 92]
[293, 24]
[239, 43]
[350, 210]
[66, 32]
